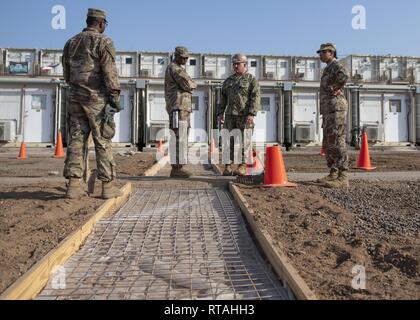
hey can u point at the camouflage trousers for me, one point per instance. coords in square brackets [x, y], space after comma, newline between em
[246, 131]
[181, 138]
[83, 120]
[334, 142]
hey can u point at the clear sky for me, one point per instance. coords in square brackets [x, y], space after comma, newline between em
[294, 27]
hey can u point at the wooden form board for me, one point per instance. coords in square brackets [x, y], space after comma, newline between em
[278, 260]
[35, 279]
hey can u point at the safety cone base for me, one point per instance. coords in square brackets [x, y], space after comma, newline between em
[284, 185]
[365, 168]
[59, 157]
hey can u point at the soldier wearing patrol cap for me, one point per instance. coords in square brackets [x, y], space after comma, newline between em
[334, 114]
[90, 71]
[240, 102]
[179, 88]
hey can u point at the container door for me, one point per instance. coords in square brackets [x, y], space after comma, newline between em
[39, 116]
[198, 133]
[266, 120]
[396, 125]
[123, 121]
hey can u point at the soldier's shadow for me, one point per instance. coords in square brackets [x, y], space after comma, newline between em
[36, 195]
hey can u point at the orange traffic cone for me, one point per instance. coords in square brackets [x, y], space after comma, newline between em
[213, 149]
[22, 151]
[160, 150]
[59, 150]
[322, 152]
[275, 172]
[364, 158]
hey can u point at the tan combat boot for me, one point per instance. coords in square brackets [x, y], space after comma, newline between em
[331, 177]
[241, 171]
[341, 182]
[109, 190]
[228, 170]
[74, 189]
[179, 172]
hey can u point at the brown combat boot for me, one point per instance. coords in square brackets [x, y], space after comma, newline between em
[241, 171]
[331, 177]
[74, 189]
[228, 170]
[179, 172]
[109, 190]
[341, 182]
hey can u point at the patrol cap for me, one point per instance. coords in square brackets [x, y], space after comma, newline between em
[327, 46]
[182, 52]
[238, 58]
[96, 13]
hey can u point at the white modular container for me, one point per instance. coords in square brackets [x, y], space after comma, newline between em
[21, 62]
[363, 68]
[127, 65]
[276, 68]
[385, 116]
[413, 69]
[51, 63]
[307, 121]
[193, 66]
[255, 66]
[153, 65]
[306, 68]
[217, 67]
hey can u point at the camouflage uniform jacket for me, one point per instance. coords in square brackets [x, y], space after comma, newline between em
[334, 78]
[90, 69]
[178, 89]
[240, 96]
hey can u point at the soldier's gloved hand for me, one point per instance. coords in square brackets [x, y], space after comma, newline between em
[110, 111]
[115, 104]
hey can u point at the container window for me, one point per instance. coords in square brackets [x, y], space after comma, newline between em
[394, 106]
[195, 103]
[253, 64]
[129, 60]
[265, 104]
[161, 61]
[193, 62]
[39, 102]
[283, 64]
[122, 102]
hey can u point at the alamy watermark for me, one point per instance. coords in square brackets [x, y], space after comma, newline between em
[58, 21]
[359, 20]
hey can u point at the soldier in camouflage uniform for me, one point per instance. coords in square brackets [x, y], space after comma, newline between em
[178, 95]
[334, 114]
[90, 70]
[240, 102]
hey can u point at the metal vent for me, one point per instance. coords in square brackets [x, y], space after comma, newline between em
[270, 75]
[209, 74]
[145, 73]
[304, 133]
[6, 131]
[373, 133]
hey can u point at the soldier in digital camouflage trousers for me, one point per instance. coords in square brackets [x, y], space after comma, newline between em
[240, 102]
[179, 88]
[334, 108]
[90, 70]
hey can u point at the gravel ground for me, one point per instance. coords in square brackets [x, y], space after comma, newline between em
[326, 233]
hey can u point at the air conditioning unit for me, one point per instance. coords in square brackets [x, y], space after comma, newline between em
[145, 73]
[209, 74]
[304, 133]
[270, 75]
[154, 130]
[373, 133]
[358, 76]
[7, 131]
